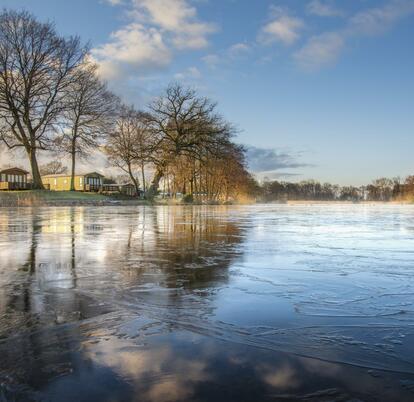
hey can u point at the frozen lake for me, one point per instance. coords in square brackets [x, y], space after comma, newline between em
[254, 303]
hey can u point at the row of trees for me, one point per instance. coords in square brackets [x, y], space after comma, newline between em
[51, 99]
[382, 189]
[50, 96]
[187, 145]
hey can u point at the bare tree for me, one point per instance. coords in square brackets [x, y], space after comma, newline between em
[182, 123]
[53, 167]
[143, 146]
[126, 146]
[219, 176]
[88, 117]
[36, 71]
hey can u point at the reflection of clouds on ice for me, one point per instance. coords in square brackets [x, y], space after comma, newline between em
[139, 364]
[333, 282]
[284, 377]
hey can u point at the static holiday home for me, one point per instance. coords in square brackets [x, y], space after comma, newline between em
[13, 179]
[83, 182]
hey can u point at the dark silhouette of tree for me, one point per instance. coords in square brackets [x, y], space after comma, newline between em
[183, 124]
[36, 72]
[88, 117]
[53, 167]
[127, 146]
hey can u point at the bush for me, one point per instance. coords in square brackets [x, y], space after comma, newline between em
[188, 199]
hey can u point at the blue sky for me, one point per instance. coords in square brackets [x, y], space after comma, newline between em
[319, 89]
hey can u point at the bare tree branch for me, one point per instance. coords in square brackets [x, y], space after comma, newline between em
[36, 71]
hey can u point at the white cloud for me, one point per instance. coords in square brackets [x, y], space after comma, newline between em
[178, 18]
[191, 73]
[227, 56]
[282, 28]
[324, 8]
[155, 31]
[324, 49]
[114, 2]
[132, 47]
[376, 20]
[238, 49]
[211, 60]
[320, 50]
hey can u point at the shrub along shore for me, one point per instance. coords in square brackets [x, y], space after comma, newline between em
[40, 198]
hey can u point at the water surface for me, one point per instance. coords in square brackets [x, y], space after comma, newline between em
[255, 303]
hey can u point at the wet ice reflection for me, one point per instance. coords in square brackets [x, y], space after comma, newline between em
[163, 301]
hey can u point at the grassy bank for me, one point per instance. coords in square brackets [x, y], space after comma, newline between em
[62, 198]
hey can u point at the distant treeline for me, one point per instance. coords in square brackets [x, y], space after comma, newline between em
[380, 190]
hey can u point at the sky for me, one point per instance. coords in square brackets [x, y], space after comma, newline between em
[320, 89]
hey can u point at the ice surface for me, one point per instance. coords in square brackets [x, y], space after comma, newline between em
[332, 284]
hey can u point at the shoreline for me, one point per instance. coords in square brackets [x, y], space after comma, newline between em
[38, 198]
[314, 202]
[133, 203]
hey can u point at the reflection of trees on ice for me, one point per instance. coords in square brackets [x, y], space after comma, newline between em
[331, 282]
[77, 254]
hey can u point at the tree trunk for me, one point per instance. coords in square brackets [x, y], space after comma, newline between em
[134, 180]
[152, 191]
[196, 192]
[37, 179]
[72, 176]
[143, 178]
[168, 184]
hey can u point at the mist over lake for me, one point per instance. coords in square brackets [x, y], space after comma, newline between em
[227, 303]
